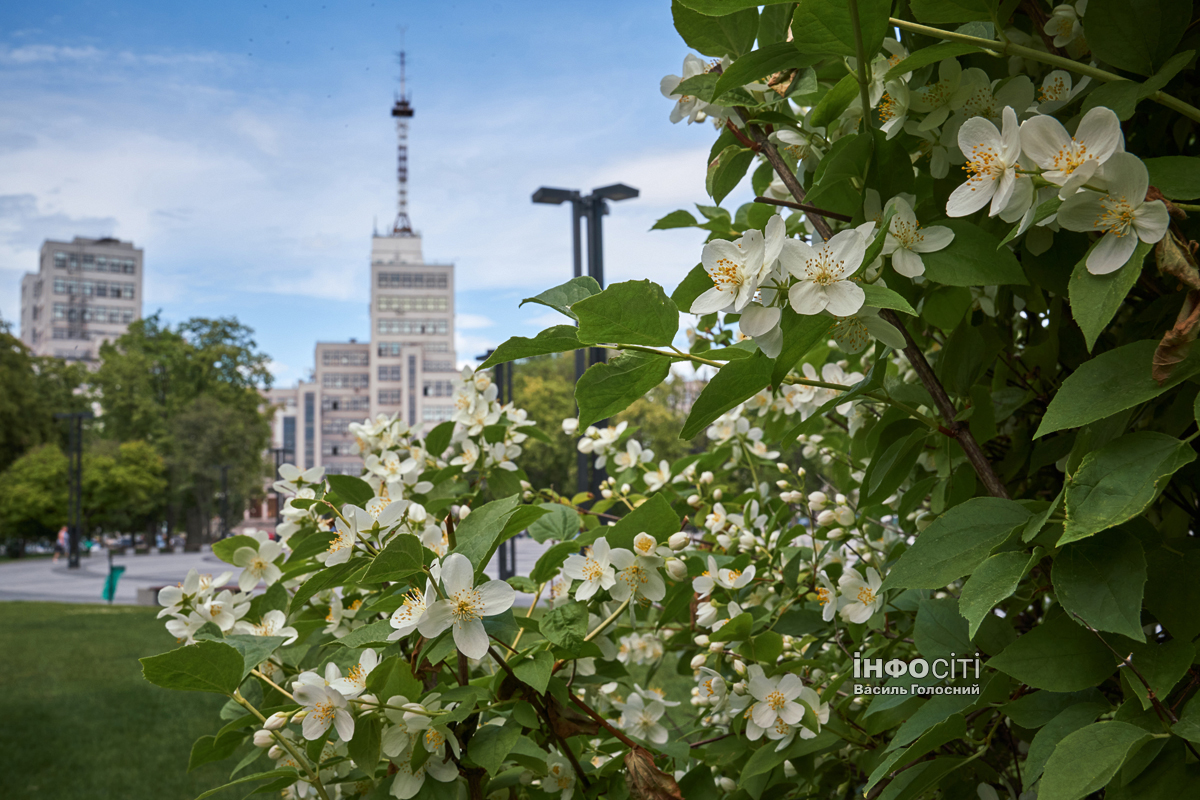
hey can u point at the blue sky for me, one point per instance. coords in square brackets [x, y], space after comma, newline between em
[248, 148]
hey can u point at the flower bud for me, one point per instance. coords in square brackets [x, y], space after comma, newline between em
[263, 738]
[606, 494]
[417, 513]
[788, 770]
[826, 518]
[570, 425]
[678, 541]
[276, 752]
[716, 647]
[463, 512]
[701, 640]
[727, 784]
[300, 715]
[782, 467]
[626, 488]
[718, 494]
[677, 569]
[747, 541]
[739, 688]
[698, 660]
[276, 721]
[694, 501]
[781, 484]
[706, 477]
[739, 667]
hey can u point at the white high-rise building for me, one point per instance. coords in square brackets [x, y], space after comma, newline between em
[85, 292]
[405, 367]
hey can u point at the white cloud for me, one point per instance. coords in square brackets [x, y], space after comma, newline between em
[472, 321]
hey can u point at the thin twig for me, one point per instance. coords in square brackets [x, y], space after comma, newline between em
[804, 207]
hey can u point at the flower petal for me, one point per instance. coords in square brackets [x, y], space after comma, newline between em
[970, 196]
[757, 320]
[933, 238]
[497, 597]
[808, 298]
[908, 263]
[1111, 253]
[1126, 175]
[457, 574]
[713, 299]
[437, 618]
[1150, 221]
[471, 639]
[844, 298]
[1042, 139]
[794, 257]
[847, 248]
[1081, 211]
[1100, 130]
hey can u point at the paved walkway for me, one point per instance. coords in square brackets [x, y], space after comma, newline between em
[42, 579]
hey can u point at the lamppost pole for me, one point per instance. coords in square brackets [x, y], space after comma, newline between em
[592, 207]
[75, 482]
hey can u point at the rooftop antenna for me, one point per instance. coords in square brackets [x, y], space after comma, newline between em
[402, 110]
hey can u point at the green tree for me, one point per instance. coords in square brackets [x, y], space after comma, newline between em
[34, 390]
[124, 486]
[33, 496]
[192, 392]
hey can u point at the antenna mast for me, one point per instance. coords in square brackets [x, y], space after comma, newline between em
[402, 110]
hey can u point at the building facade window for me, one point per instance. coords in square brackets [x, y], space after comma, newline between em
[412, 390]
[102, 314]
[391, 397]
[354, 469]
[309, 429]
[439, 388]
[436, 413]
[413, 280]
[396, 303]
[331, 402]
[411, 326]
[336, 449]
[345, 380]
[119, 291]
[439, 366]
[289, 434]
[345, 358]
[335, 426]
[393, 372]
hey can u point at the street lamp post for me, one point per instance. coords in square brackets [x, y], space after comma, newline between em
[591, 207]
[75, 482]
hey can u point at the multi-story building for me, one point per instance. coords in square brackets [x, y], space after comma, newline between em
[85, 292]
[407, 365]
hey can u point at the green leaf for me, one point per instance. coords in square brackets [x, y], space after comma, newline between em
[695, 284]
[676, 219]
[254, 649]
[717, 7]
[835, 101]
[328, 578]
[1162, 665]
[633, 312]
[734, 383]
[732, 33]
[364, 747]
[1086, 760]
[972, 259]
[892, 467]
[930, 55]
[940, 629]
[1177, 177]
[952, 10]
[1095, 299]
[883, 297]
[225, 548]
[1119, 96]
[491, 744]
[208, 749]
[655, 517]
[1044, 210]
[1112, 381]
[763, 647]
[566, 625]
[1060, 727]
[1172, 592]
[1101, 580]
[736, 630]
[261, 776]
[992, 581]
[549, 562]
[558, 339]
[403, 557]
[1120, 480]
[1136, 35]
[872, 381]
[1189, 722]
[563, 296]
[393, 676]
[200, 667]
[952, 729]
[801, 333]
[761, 63]
[1058, 655]
[956, 543]
[352, 490]
[609, 388]
[825, 26]
[480, 532]
[727, 171]
[560, 523]
[534, 670]
[373, 634]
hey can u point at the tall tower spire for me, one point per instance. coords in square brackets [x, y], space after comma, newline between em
[402, 110]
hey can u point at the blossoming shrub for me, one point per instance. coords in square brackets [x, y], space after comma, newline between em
[943, 540]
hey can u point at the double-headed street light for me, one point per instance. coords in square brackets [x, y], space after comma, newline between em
[591, 207]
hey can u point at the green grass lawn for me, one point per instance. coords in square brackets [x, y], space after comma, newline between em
[78, 719]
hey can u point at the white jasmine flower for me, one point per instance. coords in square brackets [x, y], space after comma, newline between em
[737, 267]
[407, 618]
[355, 682]
[992, 159]
[713, 690]
[560, 777]
[860, 597]
[325, 707]
[632, 455]
[258, 565]
[1065, 24]
[1071, 161]
[1122, 213]
[820, 710]
[733, 579]
[827, 597]
[274, 623]
[466, 606]
[592, 568]
[855, 332]
[775, 701]
[824, 274]
[657, 479]
[937, 100]
[704, 583]
[636, 576]
[906, 240]
[642, 720]
[1057, 90]
[686, 106]
[893, 108]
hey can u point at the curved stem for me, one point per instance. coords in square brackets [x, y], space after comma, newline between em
[863, 80]
[612, 618]
[287, 744]
[999, 49]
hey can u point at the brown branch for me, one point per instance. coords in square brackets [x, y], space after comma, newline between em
[962, 433]
[803, 207]
[785, 174]
[625, 740]
[741, 137]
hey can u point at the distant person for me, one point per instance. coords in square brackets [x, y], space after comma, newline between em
[61, 544]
